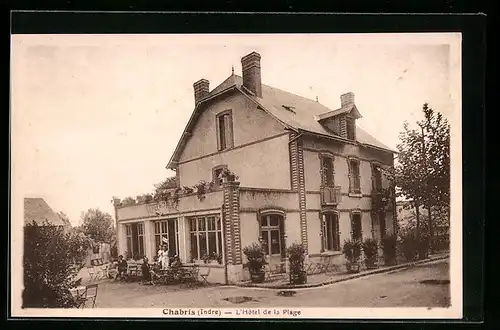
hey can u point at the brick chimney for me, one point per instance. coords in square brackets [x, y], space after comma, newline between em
[201, 89]
[251, 73]
[346, 99]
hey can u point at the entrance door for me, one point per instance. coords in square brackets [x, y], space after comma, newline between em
[272, 235]
[135, 240]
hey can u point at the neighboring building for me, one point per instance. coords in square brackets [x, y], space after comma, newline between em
[306, 175]
[37, 209]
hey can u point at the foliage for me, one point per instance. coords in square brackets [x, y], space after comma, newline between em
[256, 258]
[65, 219]
[230, 176]
[52, 259]
[187, 190]
[144, 199]
[409, 246]
[163, 189]
[98, 226]
[127, 201]
[423, 169]
[296, 256]
[370, 248]
[389, 247]
[201, 189]
[352, 250]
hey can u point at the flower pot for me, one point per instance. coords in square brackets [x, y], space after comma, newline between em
[257, 277]
[352, 267]
[371, 263]
[298, 278]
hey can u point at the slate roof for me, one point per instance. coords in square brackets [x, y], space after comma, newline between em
[305, 113]
[302, 113]
[38, 210]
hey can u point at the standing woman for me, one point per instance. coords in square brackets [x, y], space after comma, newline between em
[164, 257]
[159, 255]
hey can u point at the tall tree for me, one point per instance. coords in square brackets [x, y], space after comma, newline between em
[65, 219]
[423, 170]
[163, 189]
[98, 226]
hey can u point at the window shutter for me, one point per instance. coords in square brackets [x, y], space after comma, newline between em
[217, 128]
[282, 236]
[359, 178]
[349, 169]
[373, 176]
[228, 121]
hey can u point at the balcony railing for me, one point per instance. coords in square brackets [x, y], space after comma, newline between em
[330, 195]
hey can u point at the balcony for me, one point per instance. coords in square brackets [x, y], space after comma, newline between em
[330, 195]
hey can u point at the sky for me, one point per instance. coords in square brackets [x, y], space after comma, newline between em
[97, 116]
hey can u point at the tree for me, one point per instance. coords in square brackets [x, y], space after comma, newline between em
[52, 259]
[65, 219]
[423, 170]
[98, 226]
[163, 189]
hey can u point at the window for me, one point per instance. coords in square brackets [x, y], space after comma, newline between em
[140, 240]
[354, 176]
[216, 175]
[272, 234]
[356, 231]
[330, 232]
[167, 230]
[351, 128]
[377, 177]
[206, 236]
[129, 240]
[224, 130]
[327, 172]
[381, 220]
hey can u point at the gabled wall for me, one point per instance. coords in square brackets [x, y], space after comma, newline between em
[260, 155]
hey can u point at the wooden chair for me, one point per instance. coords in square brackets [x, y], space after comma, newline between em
[93, 275]
[190, 276]
[204, 275]
[89, 295]
[134, 270]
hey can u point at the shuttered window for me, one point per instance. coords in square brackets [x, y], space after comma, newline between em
[327, 171]
[330, 232]
[354, 176]
[356, 230]
[224, 123]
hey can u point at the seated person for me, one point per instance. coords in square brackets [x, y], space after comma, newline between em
[146, 271]
[122, 267]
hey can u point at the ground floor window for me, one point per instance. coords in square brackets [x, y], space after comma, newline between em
[272, 234]
[167, 232]
[356, 231]
[330, 232]
[205, 236]
[134, 233]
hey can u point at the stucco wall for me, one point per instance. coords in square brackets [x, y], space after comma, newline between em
[249, 124]
[265, 165]
[292, 228]
[249, 229]
[313, 232]
[250, 199]
[189, 203]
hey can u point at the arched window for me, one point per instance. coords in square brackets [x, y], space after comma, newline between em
[272, 232]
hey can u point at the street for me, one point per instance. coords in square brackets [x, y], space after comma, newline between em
[397, 289]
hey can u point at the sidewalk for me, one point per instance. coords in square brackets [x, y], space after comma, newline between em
[329, 278]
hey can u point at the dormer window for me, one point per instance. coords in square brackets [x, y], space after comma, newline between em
[224, 123]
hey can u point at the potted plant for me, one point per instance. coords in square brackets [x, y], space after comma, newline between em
[409, 246]
[201, 190]
[296, 257]
[352, 253]
[423, 246]
[205, 258]
[389, 244]
[228, 176]
[256, 259]
[370, 250]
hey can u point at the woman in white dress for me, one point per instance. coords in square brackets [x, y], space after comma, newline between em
[164, 257]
